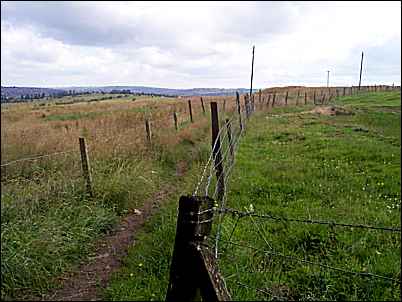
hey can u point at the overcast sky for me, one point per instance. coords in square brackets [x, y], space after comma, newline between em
[199, 44]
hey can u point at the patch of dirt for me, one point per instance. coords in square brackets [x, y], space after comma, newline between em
[84, 283]
[331, 110]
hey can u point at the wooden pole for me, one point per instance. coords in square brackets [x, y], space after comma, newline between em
[344, 91]
[361, 69]
[224, 106]
[239, 110]
[305, 98]
[314, 97]
[190, 111]
[193, 272]
[148, 131]
[297, 97]
[175, 120]
[286, 98]
[229, 132]
[273, 100]
[85, 165]
[269, 99]
[202, 105]
[216, 149]
[252, 72]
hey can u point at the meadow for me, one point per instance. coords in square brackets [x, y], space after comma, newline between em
[343, 168]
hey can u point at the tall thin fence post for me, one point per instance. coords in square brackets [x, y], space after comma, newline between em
[148, 131]
[239, 110]
[314, 98]
[85, 165]
[269, 100]
[297, 97]
[273, 100]
[224, 106]
[216, 149]
[202, 105]
[175, 120]
[305, 98]
[286, 98]
[229, 132]
[344, 91]
[190, 111]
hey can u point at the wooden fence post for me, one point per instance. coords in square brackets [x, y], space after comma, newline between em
[273, 100]
[305, 98]
[229, 132]
[297, 97]
[86, 169]
[323, 99]
[259, 97]
[224, 106]
[286, 98]
[193, 272]
[148, 131]
[202, 104]
[190, 111]
[239, 110]
[175, 120]
[216, 150]
[269, 100]
[314, 97]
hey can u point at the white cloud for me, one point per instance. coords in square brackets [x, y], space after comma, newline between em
[198, 44]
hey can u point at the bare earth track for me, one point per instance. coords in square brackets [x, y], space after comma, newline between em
[85, 282]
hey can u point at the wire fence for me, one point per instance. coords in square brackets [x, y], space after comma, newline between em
[210, 186]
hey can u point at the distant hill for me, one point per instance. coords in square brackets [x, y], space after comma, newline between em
[18, 92]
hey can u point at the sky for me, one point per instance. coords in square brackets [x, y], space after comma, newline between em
[199, 44]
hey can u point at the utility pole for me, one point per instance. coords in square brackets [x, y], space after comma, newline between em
[327, 78]
[361, 69]
[252, 70]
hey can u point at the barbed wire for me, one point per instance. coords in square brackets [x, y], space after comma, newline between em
[311, 221]
[274, 253]
[36, 157]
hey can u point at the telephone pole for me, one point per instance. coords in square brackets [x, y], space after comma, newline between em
[361, 69]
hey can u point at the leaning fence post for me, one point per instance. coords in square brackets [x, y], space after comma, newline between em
[216, 149]
[193, 272]
[202, 105]
[175, 120]
[148, 131]
[190, 111]
[85, 165]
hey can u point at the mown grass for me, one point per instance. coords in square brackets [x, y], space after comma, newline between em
[343, 168]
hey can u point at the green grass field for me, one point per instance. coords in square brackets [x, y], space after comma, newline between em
[343, 168]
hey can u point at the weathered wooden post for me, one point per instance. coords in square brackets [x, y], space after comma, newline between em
[269, 100]
[286, 98]
[259, 97]
[314, 98]
[273, 100]
[305, 98]
[202, 105]
[216, 150]
[323, 99]
[175, 120]
[239, 110]
[190, 111]
[148, 131]
[224, 106]
[297, 97]
[229, 132]
[85, 165]
[194, 275]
